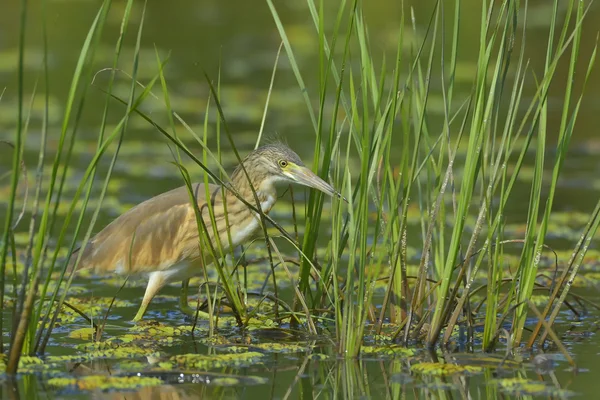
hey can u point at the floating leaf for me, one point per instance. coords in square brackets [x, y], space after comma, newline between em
[82, 333]
[390, 350]
[201, 361]
[522, 386]
[101, 382]
[439, 369]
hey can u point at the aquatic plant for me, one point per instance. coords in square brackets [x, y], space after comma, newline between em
[376, 111]
[379, 276]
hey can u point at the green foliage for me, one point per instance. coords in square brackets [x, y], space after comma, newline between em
[438, 369]
[522, 386]
[417, 253]
[462, 206]
[104, 383]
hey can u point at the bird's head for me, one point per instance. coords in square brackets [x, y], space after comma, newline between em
[276, 162]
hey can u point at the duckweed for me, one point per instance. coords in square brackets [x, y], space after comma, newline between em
[82, 333]
[522, 386]
[281, 347]
[201, 361]
[390, 350]
[439, 369]
[104, 383]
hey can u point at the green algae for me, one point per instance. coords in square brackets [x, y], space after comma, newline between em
[260, 322]
[281, 347]
[166, 366]
[132, 365]
[485, 360]
[232, 348]
[30, 360]
[112, 348]
[201, 361]
[159, 330]
[522, 386]
[228, 381]
[270, 347]
[104, 383]
[237, 381]
[152, 332]
[539, 299]
[439, 369]
[82, 333]
[48, 365]
[93, 307]
[215, 340]
[387, 351]
[31, 364]
[319, 356]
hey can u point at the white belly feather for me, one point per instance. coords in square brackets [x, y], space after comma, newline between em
[243, 234]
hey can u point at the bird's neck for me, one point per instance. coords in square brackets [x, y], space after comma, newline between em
[263, 186]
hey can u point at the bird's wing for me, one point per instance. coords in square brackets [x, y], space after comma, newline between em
[153, 235]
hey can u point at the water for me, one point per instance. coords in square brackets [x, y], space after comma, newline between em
[240, 40]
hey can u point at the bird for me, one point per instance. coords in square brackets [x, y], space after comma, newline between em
[160, 237]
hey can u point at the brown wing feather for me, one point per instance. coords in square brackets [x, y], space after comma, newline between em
[163, 230]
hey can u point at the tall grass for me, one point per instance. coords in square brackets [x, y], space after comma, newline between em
[382, 110]
[35, 318]
[452, 167]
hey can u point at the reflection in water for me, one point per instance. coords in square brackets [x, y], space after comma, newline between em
[165, 392]
[324, 377]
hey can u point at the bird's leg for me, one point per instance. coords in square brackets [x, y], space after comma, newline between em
[185, 307]
[140, 314]
[183, 299]
[155, 282]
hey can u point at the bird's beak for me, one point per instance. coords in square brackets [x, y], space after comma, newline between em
[306, 177]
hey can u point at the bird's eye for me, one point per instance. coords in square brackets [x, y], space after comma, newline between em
[283, 163]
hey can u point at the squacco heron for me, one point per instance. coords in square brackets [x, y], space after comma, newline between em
[160, 236]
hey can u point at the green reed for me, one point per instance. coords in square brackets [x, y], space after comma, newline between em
[381, 109]
[368, 106]
[534, 243]
[16, 170]
[103, 146]
[35, 313]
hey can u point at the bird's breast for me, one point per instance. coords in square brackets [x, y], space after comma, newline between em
[267, 204]
[245, 231]
[250, 224]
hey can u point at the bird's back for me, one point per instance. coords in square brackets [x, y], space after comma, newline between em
[157, 233]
